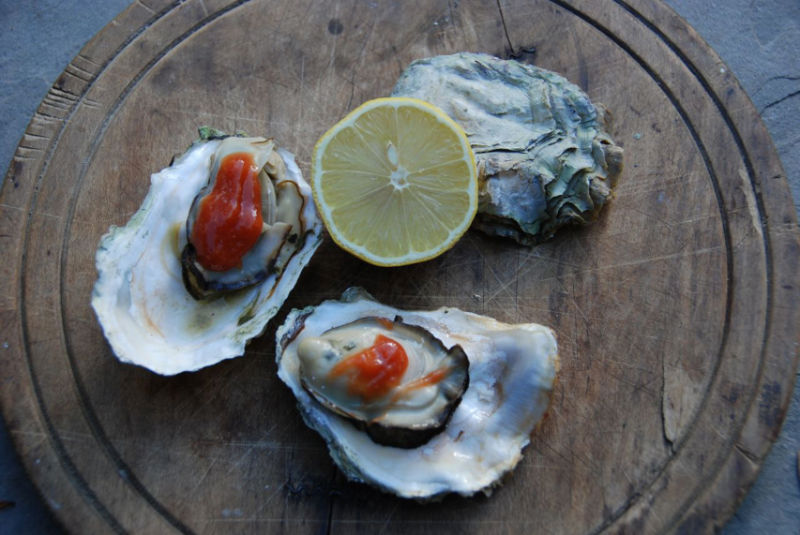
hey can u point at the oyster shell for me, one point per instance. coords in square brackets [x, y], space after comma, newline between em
[544, 157]
[512, 369]
[147, 312]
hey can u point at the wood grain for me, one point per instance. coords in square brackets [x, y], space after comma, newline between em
[675, 312]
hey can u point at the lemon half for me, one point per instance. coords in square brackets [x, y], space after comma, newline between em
[395, 181]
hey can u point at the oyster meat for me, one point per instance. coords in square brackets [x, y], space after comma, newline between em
[396, 381]
[476, 389]
[282, 231]
[163, 308]
[544, 156]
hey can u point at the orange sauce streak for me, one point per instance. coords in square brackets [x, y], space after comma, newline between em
[386, 323]
[375, 371]
[433, 378]
[229, 218]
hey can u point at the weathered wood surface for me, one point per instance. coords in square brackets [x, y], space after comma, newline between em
[676, 312]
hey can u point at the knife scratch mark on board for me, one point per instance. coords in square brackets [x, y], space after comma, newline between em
[359, 63]
[146, 7]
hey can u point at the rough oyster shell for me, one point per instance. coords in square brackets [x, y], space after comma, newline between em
[147, 315]
[544, 157]
[512, 371]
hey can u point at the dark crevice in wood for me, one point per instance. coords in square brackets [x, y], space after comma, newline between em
[667, 441]
[47, 116]
[505, 29]
[331, 504]
[753, 458]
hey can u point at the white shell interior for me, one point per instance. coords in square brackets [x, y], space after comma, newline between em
[512, 370]
[147, 315]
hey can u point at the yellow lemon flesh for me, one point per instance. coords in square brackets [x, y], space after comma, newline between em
[395, 181]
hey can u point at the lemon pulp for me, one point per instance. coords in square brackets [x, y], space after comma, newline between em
[395, 181]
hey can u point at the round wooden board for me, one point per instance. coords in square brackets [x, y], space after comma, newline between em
[675, 312]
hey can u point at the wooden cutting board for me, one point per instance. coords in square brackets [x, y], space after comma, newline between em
[676, 312]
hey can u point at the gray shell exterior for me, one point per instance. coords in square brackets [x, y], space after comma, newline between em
[544, 157]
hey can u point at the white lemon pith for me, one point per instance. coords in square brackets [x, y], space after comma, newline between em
[395, 181]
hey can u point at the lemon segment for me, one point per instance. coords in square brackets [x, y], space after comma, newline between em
[395, 181]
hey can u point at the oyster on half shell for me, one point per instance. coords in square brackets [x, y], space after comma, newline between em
[283, 225]
[396, 381]
[544, 156]
[160, 310]
[511, 371]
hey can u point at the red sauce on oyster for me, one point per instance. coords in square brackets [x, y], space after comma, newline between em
[229, 218]
[374, 371]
